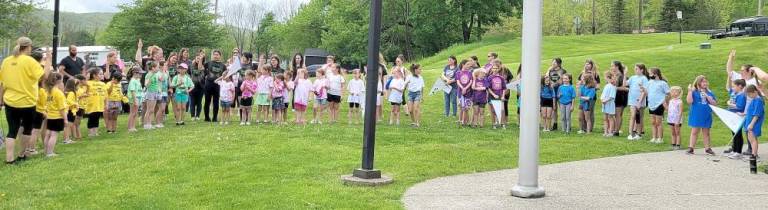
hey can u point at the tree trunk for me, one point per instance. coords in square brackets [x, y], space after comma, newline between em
[466, 27]
[479, 28]
[408, 48]
[639, 16]
[594, 13]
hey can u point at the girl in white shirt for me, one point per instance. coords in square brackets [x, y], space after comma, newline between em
[356, 88]
[335, 89]
[415, 84]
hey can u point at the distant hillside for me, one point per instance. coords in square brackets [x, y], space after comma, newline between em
[86, 21]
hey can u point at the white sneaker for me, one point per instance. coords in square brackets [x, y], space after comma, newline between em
[242, 123]
[221, 123]
[631, 137]
[734, 155]
[226, 123]
[248, 123]
[580, 132]
[147, 127]
[159, 126]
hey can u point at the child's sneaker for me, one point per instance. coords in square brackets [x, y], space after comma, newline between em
[147, 127]
[580, 132]
[242, 123]
[226, 123]
[690, 151]
[735, 155]
[221, 123]
[709, 151]
[248, 123]
[159, 126]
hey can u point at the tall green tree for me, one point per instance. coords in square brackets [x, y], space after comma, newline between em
[170, 24]
[347, 29]
[618, 16]
[264, 40]
[13, 13]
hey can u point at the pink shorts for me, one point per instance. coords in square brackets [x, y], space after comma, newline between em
[299, 107]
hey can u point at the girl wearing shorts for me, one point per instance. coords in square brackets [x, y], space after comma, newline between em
[547, 102]
[97, 99]
[356, 88]
[415, 84]
[56, 109]
[301, 95]
[464, 82]
[114, 102]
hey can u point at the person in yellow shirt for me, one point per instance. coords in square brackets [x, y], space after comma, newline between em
[55, 111]
[96, 99]
[19, 75]
[82, 95]
[70, 90]
[114, 102]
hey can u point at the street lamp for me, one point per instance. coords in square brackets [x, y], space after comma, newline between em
[680, 22]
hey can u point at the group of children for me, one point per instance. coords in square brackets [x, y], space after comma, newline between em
[648, 88]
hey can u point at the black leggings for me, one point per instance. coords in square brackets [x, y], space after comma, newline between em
[93, 119]
[19, 117]
[196, 104]
[738, 142]
[211, 95]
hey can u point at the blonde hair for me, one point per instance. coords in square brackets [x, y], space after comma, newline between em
[476, 73]
[676, 91]
[22, 43]
[698, 81]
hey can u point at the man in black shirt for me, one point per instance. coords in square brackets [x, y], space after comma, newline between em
[72, 65]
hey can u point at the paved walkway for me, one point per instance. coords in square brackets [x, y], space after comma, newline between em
[666, 180]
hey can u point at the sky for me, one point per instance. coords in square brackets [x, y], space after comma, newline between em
[87, 6]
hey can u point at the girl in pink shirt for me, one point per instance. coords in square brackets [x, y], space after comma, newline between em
[248, 89]
[301, 95]
[320, 89]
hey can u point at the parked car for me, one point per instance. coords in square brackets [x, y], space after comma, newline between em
[752, 26]
[312, 69]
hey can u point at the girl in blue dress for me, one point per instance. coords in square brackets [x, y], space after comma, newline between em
[754, 116]
[700, 117]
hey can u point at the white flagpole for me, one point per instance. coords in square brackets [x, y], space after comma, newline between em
[528, 161]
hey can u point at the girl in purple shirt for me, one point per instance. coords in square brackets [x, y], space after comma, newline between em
[464, 81]
[479, 97]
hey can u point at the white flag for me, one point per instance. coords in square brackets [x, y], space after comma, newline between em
[731, 119]
[496, 104]
[439, 85]
[236, 66]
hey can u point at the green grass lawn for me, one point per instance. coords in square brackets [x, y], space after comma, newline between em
[202, 165]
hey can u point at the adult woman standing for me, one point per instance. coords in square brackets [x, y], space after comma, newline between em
[20, 74]
[555, 73]
[622, 94]
[296, 63]
[213, 70]
[197, 73]
[274, 62]
[110, 67]
[449, 79]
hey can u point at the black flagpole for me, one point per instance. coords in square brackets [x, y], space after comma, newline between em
[55, 46]
[369, 132]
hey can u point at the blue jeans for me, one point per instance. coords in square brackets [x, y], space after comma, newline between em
[450, 102]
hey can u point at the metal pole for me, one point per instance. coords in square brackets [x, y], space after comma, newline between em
[681, 32]
[760, 8]
[528, 162]
[372, 77]
[55, 45]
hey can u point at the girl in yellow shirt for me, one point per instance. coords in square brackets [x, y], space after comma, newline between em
[55, 111]
[96, 99]
[114, 102]
[70, 90]
[82, 95]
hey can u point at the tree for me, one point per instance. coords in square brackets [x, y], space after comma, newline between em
[475, 13]
[304, 30]
[13, 13]
[346, 34]
[237, 26]
[170, 24]
[618, 18]
[264, 39]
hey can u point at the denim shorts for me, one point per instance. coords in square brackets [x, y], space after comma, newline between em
[322, 101]
[153, 96]
[414, 96]
[226, 104]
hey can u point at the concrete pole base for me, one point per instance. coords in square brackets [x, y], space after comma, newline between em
[362, 177]
[352, 180]
[527, 192]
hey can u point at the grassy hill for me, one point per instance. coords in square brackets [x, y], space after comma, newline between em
[203, 165]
